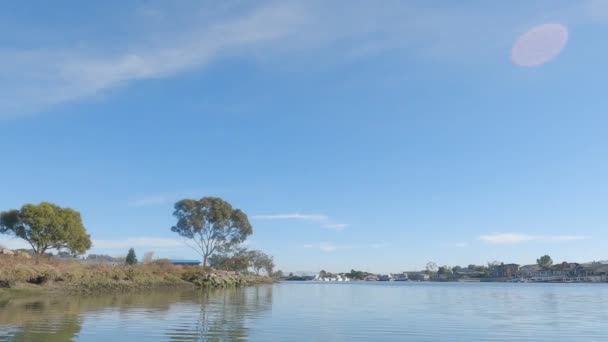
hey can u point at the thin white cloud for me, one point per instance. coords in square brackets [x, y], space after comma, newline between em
[163, 198]
[505, 238]
[326, 246]
[147, 242]
[296, 216]
[565, 238]
[515, 238]
[45, 77]
[65, 69]
[148, 200]
[323, 220]
[332, 247]
[337, 226]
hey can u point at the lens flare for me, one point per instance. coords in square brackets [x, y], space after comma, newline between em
[539, 45]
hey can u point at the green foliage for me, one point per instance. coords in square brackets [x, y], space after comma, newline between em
[131, 257]
[259, 260]
[47, 226]
[431, 268]
[239, 262]
[359, 275]
[545, 261]
[444, 270]
[212, 224]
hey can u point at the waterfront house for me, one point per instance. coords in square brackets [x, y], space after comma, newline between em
[464, 274]
[566, 272]
[326, 276]
[418, 276]
[528, 271]
[566, 269]
[385, 277]
[400, 276]
[594, 271]
[505, 271]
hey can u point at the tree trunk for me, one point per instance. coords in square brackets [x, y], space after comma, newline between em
[205, 261]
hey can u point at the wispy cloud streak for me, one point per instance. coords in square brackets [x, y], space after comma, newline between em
[147, 242]
[332, 247]
[515, 238]
[323, 220]
[163, 198]
[47, 74]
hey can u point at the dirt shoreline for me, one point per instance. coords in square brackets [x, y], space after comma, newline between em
[19, 274]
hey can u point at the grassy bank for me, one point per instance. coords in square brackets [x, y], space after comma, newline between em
[22, 274]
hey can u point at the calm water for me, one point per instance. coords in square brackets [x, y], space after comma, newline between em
[297, 311]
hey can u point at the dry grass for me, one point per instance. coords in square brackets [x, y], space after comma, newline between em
[45, 273]
[16, 272]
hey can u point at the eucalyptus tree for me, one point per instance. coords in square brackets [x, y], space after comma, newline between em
[211, 224]
[47, 226]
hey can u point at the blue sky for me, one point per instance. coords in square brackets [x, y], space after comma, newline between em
[367, 135]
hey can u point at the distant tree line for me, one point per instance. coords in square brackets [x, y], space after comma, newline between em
[214, 228]
[477, 271]
[241, 260]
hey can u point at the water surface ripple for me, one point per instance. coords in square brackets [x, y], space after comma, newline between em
[304, 311]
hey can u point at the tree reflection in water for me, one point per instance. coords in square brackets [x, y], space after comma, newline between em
[208, 315]
[224, 315]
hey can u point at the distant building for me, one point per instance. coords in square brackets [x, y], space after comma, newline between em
[385, 277]
[400, 276]
[418, 276]
[185, 262]
[566, 272]
[527, 271]
[505, 271]
[327, 276]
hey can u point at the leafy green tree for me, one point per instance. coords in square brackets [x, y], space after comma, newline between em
[131, 257]
[444, 270]
[356, 274]
[212, 224]
[431, 268]
[545, 261]
[47, 226]
[259, 260]
[238, 262]
[268, 265]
